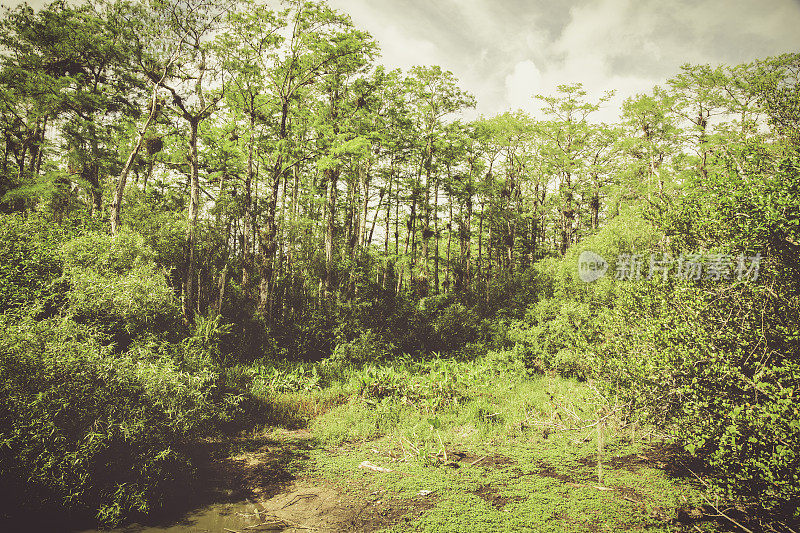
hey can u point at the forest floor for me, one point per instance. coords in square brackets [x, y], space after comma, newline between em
[281, 480]
[472, 467]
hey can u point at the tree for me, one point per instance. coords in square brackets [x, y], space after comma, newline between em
[434, 95]
[185, 30]
[66, 69]
[248, 50]
[652, 140]
[568, 136]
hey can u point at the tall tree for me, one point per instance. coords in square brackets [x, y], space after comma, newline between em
[568, 137]
[434, 95]
[191, 80]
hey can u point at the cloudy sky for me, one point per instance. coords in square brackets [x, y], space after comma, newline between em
[505, 51]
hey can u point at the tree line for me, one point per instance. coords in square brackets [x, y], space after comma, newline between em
[308, 174]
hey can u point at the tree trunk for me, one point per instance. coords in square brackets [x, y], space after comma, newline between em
[449, 240]
[480, 240]
[248, 222]
[269, 245]
[332, 176]
[116, 205]
[388, 229]
[436, 235]
[426, 228]
[190, 279]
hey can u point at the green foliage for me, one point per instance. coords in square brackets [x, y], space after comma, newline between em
[30, 263]
[203, 347]
[164, 232]
[430, 385]
[368, 347]
[116, 285]
[283, 378]
[719, 359]
[309, 143]
[86, 429]
[726, 392]
[555, 335]
[454, 327]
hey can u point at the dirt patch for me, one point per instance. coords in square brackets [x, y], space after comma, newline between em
[380, 514]
[487, 461]
[268, 472]
[259, 483]
[547, 470]
[544, 469]
[498, 501]
[251, 467]
[668, 457]
[312, 504]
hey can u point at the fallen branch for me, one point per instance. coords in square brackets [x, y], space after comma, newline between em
[720, 513]
[476, 461]
[374, 468]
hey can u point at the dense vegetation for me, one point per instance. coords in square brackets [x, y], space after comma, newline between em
[196, 198]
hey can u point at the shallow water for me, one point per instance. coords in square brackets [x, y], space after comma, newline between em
[215, 518]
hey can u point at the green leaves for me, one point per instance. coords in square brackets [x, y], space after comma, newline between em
[115, 284]
[86, 428]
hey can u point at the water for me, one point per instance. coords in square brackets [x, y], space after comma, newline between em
[214, 518]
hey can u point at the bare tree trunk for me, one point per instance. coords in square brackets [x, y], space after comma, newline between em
[269, 245]
[116, 205]
[567, 214]
[223, 280]
[449, 240]
[480, 240]
[190, 298]
[468, 239]
[436, 235]
[426, 228]
[247, 223]
[388, 229]
[381, 194]
[330, 232]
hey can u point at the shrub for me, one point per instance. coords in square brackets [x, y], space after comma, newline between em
[30, 262]
[85, 429]
[368, 347]
[728, 393]
[116, 285]
[455, 326]
[556, 335]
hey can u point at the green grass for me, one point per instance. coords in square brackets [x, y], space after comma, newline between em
[515, 461]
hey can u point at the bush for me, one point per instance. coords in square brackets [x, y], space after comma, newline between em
[30, 262]
[85, 429]
[556, 335]
[116, 285]
[728, 394]
[455, 326]
[368, 347]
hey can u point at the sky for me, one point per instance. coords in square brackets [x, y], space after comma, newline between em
[506, 51]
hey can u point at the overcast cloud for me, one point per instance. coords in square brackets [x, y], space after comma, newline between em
[506, 51]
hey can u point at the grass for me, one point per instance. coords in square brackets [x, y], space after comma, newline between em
[498, 450]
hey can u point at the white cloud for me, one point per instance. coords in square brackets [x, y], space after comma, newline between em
[401, 50]
[522, 84]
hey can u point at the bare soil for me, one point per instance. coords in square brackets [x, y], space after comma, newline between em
[257, 484]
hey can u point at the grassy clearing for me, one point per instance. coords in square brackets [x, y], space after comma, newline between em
[497, 449]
